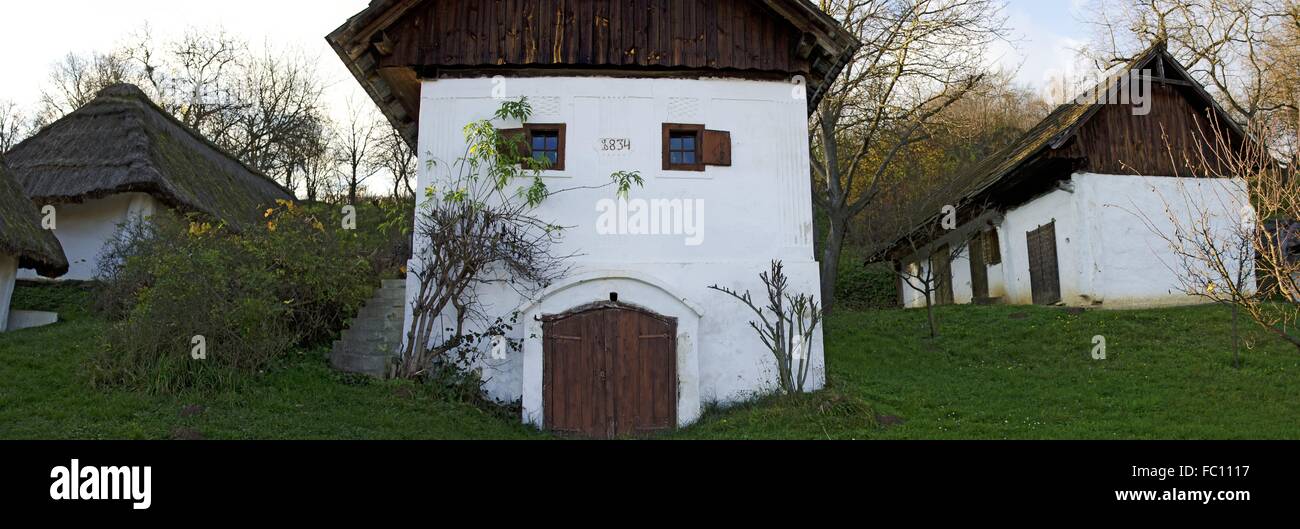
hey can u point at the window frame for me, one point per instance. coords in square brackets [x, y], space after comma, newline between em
[675, 128]
[992, 247]
[559, 129]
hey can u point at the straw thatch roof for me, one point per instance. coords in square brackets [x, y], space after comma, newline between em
[122, 142]
[21, 234]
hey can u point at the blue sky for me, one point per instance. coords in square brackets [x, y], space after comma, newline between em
[1045, 36]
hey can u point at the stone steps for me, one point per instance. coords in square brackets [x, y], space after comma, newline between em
[375, 335]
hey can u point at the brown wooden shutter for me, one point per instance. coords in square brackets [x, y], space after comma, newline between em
[992, 247]
[1044, 272]
[518, 138]
[717, 148]
[941, 274]
[979, 270]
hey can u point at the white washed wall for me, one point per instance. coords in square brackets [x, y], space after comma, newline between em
[757, 210]
[1056, 206]
[1109, 242]
[83, 230]
[8, 272]
[1131, 215]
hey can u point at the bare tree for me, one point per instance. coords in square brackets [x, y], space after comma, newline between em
[1238, 48]
[479, 229]
[787, 326]
[76, 80]
[923, 279]
[1242, 248]
[919, 58]
[279, 114]
[359, 137]
[316, 165]
[15, 126]
[395, 157]
[193, 77]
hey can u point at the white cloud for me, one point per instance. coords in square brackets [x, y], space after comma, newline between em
[1042, 50]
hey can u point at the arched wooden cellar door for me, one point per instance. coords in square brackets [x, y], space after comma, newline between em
[609, 370]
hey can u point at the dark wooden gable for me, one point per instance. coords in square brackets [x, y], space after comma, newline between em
[1181, 131]
[674, 34]
[393, 44]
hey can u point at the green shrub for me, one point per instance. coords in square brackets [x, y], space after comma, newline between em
[210, 287]
[862, 287]
[323, 273]
[253, 295]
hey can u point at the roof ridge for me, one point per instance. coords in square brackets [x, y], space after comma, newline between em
[132, 91]
[122, 141]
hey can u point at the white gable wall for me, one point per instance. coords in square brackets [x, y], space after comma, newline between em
[8, 272]
[1108, 239]
[757, 210]
[1137, 267]
[83, 229]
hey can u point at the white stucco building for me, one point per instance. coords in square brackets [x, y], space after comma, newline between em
[716, 127]
[119, 159]
[1082, 210]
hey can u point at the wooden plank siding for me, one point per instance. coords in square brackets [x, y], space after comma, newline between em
[1161, 143]
[673, 34]
[1044, 267]
[941, 271]
[609, 371]
[393, 44]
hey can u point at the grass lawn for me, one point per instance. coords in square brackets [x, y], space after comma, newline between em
[996, 373]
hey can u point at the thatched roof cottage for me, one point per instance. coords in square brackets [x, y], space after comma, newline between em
[22, 241]
[121, 157]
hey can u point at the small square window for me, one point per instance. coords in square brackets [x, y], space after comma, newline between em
[682, 147]
[546, 142]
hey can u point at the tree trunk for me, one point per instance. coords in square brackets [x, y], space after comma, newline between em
[1236, 344]
[831, 262]
[352, 189]
[929, 312]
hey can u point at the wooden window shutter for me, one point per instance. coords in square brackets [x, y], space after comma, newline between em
[1044, 270]
[717, 148]
[516, 138]
[992, 247]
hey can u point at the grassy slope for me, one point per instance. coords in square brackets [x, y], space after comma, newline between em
[44, 395]
[991, 375]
